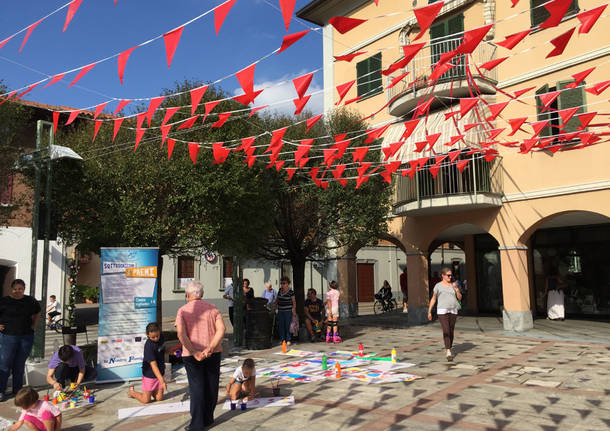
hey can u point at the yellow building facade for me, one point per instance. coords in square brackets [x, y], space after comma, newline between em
[526, 220]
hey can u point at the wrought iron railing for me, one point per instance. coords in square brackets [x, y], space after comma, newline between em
[426, 59]
[479, 177]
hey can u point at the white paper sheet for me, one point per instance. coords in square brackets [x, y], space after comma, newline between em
[155, 409]
[262, 402]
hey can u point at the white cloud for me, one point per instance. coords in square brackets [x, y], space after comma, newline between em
[279, 95]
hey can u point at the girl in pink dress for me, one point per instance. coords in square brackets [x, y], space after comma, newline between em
[332, 311]
[36, 414]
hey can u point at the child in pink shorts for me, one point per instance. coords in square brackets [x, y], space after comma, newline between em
[36, 414]
[153, 367]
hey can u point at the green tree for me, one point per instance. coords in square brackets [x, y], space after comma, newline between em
[310, 222]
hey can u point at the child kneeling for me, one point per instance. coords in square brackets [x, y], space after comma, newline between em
[153, 367]
[243, 382]
[35, 414]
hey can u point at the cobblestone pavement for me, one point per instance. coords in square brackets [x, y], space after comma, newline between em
[539, 380]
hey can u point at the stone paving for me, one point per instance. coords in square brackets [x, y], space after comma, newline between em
[533, 381]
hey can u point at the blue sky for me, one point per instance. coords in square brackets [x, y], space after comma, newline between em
[99, 29]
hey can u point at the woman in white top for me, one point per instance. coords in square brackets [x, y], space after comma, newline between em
[447, 294]
[555, 298]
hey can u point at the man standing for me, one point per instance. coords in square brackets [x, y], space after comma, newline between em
[269, 294]
[200, 330]
[228, 295]
[404, 289]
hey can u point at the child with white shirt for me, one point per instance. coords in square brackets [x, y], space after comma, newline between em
[243, 382]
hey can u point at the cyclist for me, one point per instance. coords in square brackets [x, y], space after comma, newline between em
[52, 308]
[384, 295]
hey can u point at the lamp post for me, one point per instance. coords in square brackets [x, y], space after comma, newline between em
[38, 158]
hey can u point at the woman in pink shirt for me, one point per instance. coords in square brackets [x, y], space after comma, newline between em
[332, 311]
[200, 330]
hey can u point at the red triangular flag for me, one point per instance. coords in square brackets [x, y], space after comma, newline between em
[246, 78]
[355, 99]
[71, 11]
[313, 172]
[221, 12]
[467, 127]
[220, 153]
[579, 77]
[82, 73]
[374, 134]
[73, 115]
[4, 41]
[548, 98]
[290, 39]
[122, 104]
[453, 155]
[98, 109]
[152, 107]
[515, 124]
[494, 133]
[344, 24]
[258, 108]
[117, 126]
[363, 168]
[122, 61]
[303, 162]
[287, 7]
[196, 95]
[342, 89]
[208, 108]
[557, 9]
[170, 148]
[454, 139]
[598, 88]
[139, 134]
[425, 16]
[422, 161]
[301, 84]
[567, 114]
[422, 107]
[27, 34]
[300, 104]
[246, 143]
[222, 118]
[527, 145]
[392, 149]
[490, 65]
[164, 132]
[397, 79]
[522, 92]
[55, 121]
[30, 88]
[359, 154]
[495, 109]
[431, 139]
[419, 146]
[247, 98]
[472, 39]
[589, 18]
[466, 104]
[193, 151]
[276, 139]
[329, 156]
[302, 150]
[538, 126]
[440, 70]
[434, 169]
[290, 172]
[439, 159]
[55, 79]
[342, 181]
[171, 40]
[461, 164]
[169, 113]
[585, 119]
[188, 123]
[349, 57]
[341, 147]
[338, 171]
[560, 42]
[98, 124]
[140, 119]
[511, 41]
[311, 121]
[409, 128]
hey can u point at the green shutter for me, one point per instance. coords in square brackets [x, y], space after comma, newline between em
[368, 76]
[362, 68]
[546, 115]
[569, 99]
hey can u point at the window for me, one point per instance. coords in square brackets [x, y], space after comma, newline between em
[368, 74]
[186, 267]
[6, 194]
[567, 99]
[445, 37]
[227, 267]
[540, 14]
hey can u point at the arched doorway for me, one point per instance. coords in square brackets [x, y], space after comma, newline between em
[572, 247]
[475, 259]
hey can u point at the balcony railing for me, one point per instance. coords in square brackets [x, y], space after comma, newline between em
[427, 58]
[478, 178]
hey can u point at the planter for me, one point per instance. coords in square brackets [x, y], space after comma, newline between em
[69, 335]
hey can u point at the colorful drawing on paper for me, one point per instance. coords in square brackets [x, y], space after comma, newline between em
[300, 353]
[258, 403]
[376, 377]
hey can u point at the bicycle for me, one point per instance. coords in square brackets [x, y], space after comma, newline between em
[56, 324]
[384, 306]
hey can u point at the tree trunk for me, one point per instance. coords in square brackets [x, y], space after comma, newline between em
[298, 284]
[159, 290]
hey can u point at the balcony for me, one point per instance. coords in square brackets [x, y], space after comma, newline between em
[479, 186]
[404, 95]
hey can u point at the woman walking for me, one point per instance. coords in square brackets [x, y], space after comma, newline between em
[286, 308]
[19, 314]
[447, 295]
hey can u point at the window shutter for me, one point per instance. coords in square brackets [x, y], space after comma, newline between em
[437, 32]
[368, 76]
[375, 80]
[455, 30]
[569, 99]
[362, 68]
[546, 115]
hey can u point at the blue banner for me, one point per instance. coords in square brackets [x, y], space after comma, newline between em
[128, 301]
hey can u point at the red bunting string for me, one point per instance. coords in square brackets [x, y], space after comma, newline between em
[98, 109]
[170, 148]
[222, 118]
[300, 104]
[349, 57]
[98, 124]
[169, 113]
[152, 107]
[589, 18]
[425, 16]
[287, 7]
[301, 84]
[560, 43]
[28, 33]
[82, 73]
[557, 9]
[122, 61]
[193, 151]
[344, 24]
[122, 104]
[117, 126]
[196, 95]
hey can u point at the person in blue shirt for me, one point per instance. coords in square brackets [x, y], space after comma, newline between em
[269, 294]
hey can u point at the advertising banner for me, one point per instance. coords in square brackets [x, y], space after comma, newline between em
[128, 302]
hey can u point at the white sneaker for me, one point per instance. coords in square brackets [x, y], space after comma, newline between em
[449, 356]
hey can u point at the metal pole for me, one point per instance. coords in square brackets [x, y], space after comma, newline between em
[238, 305]
[35, 212]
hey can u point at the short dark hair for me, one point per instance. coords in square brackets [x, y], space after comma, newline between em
[312, 290]
[285, 279]
[153, 327]
[17, 281]
[248, 363]
[247, 281]
[333, 285]
[65, 353]
[53, 296]
[26, 397]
